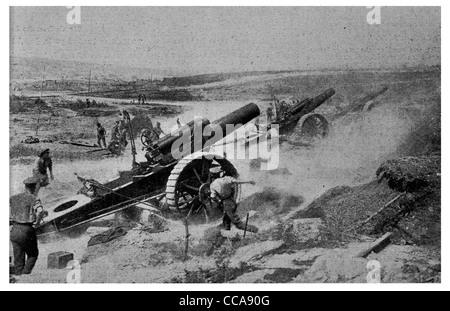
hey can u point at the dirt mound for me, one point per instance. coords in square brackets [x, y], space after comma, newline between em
[406, 200]
[21, 104]
[342, 208]
[425, 136]
[411, 174]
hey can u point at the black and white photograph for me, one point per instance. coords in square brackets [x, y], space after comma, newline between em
[224, 145]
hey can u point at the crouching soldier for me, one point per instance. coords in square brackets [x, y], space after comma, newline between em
[223, 196]
[26, 212]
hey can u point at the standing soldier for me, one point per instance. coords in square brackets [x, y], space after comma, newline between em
[26, 212]
[43, 164]
[222, 196]
[101, 135]
[270, 114]
[179, 125]
[158, 130]
[144, 99]
[115, 132]
[88, 103]
[139, 99]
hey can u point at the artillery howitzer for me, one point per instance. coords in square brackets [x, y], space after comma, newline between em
[181, 182]
[302, 115]
[311, 124]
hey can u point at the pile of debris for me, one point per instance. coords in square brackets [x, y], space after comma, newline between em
[405, 200]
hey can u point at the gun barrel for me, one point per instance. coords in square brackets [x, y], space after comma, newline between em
[164, 145]
[232, 121]
[239, 117]
[319, 100]
[359, 103]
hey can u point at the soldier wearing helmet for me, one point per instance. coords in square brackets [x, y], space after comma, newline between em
[26, 212]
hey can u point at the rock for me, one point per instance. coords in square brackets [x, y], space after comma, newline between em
[282, 275]
[253, 277]
[253, 251]
[228, 234]
[335, 266]
[436, 267]
[301, 260]
[153, 223]
[252, 214]
[93, 231]
[145, 216]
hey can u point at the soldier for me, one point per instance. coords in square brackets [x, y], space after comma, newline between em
[139, 99]
[26, 212]
[43, 164]
[115, 132]
[158, 130]
[270, 114]
[88, 103]
[222, 196]
[179, 125]
[101, 135]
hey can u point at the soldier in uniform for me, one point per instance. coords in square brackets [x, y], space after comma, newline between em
[101, 135]
[26, 212]
[41, 165]
[223, 197]
[115, 132]
[158, 130]
[270, 114]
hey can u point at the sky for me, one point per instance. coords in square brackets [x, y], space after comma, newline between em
[228, 39]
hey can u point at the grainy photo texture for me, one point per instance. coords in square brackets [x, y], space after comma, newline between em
[225, 144]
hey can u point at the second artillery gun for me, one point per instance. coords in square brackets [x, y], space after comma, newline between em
[301, 115]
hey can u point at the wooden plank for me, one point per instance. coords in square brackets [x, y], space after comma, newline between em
[377, 246]
[387, 205]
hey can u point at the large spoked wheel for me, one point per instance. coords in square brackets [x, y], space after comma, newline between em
[314, 126]
[188, 187]
[146, 138]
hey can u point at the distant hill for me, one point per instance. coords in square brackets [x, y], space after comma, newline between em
[29, 69]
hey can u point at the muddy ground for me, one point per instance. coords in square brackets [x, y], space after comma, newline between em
[302, 208]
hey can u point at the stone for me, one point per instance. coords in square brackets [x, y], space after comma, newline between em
[59, 260]
[93, 231]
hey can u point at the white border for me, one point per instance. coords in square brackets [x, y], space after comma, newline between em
[4, 278]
